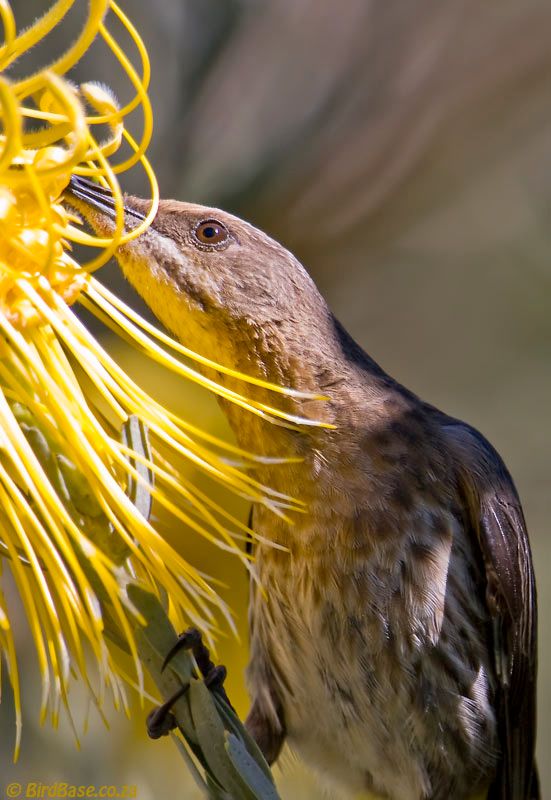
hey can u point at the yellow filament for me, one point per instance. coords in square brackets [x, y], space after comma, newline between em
[101, 295]
[37, 31]
[71, 562]
[12, 125]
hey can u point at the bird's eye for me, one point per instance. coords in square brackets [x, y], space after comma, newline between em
[212, 233]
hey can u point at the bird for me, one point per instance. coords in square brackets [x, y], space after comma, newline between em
[393, 642]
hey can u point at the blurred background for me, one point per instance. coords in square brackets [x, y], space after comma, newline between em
[403, 152]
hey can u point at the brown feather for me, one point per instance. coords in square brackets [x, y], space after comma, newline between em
[498, 522]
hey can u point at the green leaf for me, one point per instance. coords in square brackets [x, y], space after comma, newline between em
[211, 735]
[248, 770]
[134, 435]
[234, 725]
[78, 487]
[185, 722]
[196, 775]
[159, 631]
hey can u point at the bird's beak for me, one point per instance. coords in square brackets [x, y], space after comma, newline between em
[89, 193]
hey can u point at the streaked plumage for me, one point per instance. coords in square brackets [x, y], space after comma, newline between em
[409, 626]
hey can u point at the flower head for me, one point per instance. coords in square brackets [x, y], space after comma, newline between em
[79, 440]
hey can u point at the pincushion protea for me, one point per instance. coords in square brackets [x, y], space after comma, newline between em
[76, 469]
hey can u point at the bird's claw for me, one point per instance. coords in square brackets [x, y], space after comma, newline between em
[160, 721]
[215, 678]
[189, 640]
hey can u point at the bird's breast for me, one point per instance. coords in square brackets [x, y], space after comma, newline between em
[377, 647]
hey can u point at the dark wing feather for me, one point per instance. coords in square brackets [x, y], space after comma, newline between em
[496, 516]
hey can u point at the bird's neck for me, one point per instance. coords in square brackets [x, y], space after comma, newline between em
[360, 398]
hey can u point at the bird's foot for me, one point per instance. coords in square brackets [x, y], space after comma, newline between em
[161, 721]
[213, 675]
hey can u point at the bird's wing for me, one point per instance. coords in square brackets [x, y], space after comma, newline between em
[496, 515]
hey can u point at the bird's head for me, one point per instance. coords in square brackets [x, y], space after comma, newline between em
[223, 287]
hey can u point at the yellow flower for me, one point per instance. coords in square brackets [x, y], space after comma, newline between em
[76, 470]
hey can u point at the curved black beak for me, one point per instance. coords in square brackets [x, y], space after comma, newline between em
[97, 196]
